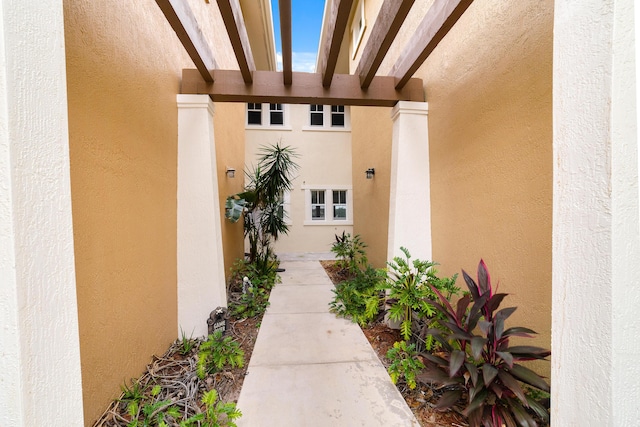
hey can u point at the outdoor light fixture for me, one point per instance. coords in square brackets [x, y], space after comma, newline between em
[370, 173]
[231, 172]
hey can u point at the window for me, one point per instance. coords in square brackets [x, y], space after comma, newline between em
[328, 205]
[254, 114]
[340, 205]
[328, 117]
[276, 114]
[317, 115]
[317, 205]
[358, 25]
[337, 115]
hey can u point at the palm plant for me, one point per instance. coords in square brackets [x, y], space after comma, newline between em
[261, 201]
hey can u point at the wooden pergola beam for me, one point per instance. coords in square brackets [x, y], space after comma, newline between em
[307, 88]
[234, 22]
[184, 23]
[440, 18]
[390, 18]
[332, 35]
[284, 7]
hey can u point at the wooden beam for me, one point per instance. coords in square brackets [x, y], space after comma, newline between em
[234, 22]
[306, 88]
[390, 18]
[440, 18]
[332, 35]
[184, 23]
[284, 6]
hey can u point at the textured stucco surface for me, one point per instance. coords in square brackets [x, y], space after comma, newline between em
[596, 234]
[228, 127]
[371, 139]
[39, 352]
[124, 65]
[488, 85]
[324, 158]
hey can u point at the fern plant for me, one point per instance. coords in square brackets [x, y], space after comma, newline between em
[409, 290]
[359, 298]
[404, 363]
[216, 414]
[217, 352]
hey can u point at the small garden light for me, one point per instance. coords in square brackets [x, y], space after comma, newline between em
[370, 173]
[231, 172]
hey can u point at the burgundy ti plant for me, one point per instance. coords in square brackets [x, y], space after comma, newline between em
[477, 366]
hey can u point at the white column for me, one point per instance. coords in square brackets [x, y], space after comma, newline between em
[596, 232]
[410, 192]
[40, 378]
[201, 279]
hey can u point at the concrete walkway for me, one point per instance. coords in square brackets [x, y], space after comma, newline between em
[310, 368]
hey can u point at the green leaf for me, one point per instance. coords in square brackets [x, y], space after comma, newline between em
[477, 402]
[522, 417]
[529, 352]
[234, 207]
[540, 410]
[519, 332]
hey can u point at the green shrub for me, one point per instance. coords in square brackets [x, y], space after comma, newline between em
[404, 363]
[216, 414]
[409, 290]
[359, 298]
[218, 352]
[477, 363]
[350, 252]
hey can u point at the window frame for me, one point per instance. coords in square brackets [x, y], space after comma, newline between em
[266, 116]
[327, 115]
[329, 219]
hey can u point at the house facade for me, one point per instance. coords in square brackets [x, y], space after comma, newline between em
[320, 204]
[527, 157]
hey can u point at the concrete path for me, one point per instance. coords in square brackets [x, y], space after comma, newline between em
[310, 368]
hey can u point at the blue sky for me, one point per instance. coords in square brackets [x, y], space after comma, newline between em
[306, 20]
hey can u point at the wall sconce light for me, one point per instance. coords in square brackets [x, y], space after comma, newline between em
[231, 172]
[370, 173]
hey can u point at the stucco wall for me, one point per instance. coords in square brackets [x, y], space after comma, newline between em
[324, 157]
[488, 85]
[228, 127]
[371, 139]
[124, 65]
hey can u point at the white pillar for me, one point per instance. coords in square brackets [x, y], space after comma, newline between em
[40, 378]
[201, 278]
[596, 232]
[410, 192]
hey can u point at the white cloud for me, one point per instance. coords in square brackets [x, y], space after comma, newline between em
[304, 61]
[301, 61]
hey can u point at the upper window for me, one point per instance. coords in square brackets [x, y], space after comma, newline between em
[358, 26]
[254, 114]
[266, 116]
[316, 115]
[325, 117]
[276, 114]
[337, 115]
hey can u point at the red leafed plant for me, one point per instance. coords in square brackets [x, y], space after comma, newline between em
[477, 365]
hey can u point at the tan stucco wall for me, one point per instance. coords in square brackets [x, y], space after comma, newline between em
[371, 139]
[123, 68]
[488, 85]
[228, 125]
[324, 157]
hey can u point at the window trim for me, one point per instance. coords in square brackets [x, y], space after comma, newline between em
[356, 39]
[266, 118]
[326, 126]
[328, 204]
